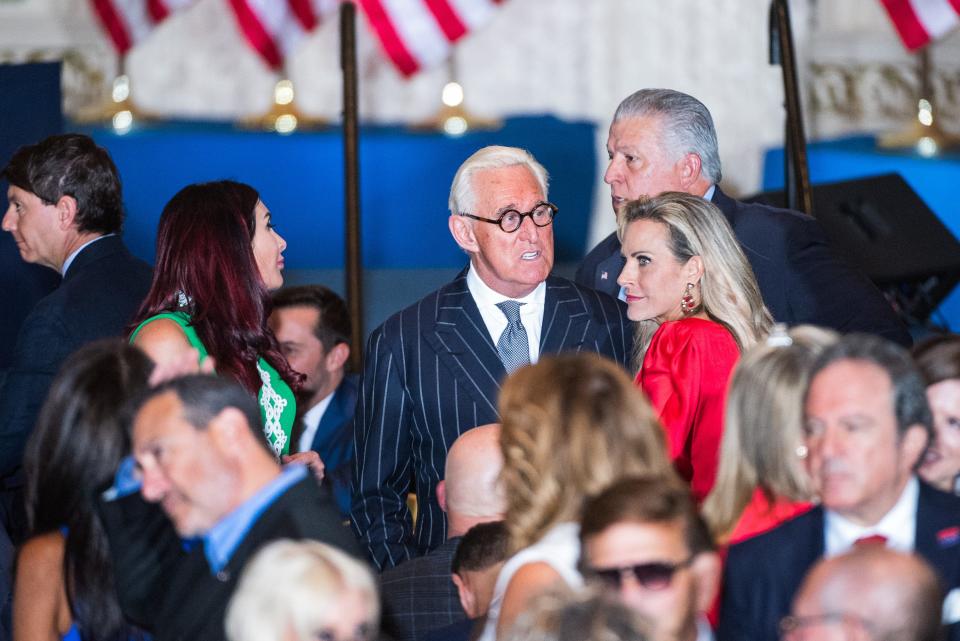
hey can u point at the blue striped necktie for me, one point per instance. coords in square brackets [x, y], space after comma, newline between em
[513, 346]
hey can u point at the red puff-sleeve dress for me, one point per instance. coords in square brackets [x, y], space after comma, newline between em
[684, 374]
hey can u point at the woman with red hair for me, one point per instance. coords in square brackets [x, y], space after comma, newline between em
[218, 257]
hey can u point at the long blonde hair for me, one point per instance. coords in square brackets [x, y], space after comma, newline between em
[763, 426]
[572, 424]
[728, 287]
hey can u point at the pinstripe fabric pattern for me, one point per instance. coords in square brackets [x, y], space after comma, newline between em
[432, 372]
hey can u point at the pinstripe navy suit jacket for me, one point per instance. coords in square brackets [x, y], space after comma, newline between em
[432, 372]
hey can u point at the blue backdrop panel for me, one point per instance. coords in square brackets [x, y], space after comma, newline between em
[405, 181]
[935, 180]
[29, 111]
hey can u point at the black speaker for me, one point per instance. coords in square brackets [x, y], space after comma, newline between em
[880, 225]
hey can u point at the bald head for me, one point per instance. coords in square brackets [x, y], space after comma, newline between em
[885, 594]
[470, 493]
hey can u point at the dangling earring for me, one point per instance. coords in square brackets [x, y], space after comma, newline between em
[687, 304]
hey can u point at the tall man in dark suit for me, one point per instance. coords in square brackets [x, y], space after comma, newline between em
[199, 444]
[663, 140]
[65, 213]
[867, 425]
[312, 325]
[434, 369]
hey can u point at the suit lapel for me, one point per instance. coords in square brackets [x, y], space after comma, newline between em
[566, 322]
[938, 532]
[463, 345]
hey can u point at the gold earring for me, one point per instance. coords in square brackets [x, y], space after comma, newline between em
[687, 304]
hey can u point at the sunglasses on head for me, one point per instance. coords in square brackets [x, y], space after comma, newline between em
[652, 576]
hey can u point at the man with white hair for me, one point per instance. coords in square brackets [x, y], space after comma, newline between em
[420, 595]
[664, 140]
[433, 370]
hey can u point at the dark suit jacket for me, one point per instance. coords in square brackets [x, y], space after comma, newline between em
[419, 595]
[98, 296]
[432, 372]
[763, 573]
[173, 594]
[801, 279]
[333, 441]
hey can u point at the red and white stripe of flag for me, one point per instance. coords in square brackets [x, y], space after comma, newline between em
[274, 27]
[127, 22]
[920, 22]
[417, 34]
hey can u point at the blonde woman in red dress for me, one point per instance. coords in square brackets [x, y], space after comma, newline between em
[697, 305]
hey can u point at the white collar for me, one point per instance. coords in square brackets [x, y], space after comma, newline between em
[899, 525]
[486, 296]
[311, 421]
[710, 190]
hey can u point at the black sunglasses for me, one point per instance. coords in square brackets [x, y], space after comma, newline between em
[652, 576]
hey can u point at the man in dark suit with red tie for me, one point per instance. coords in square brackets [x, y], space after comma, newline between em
[867, 425]
[433, 370]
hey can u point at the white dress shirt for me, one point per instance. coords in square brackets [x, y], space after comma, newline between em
[899, 525]
[311, 422]
[531, 312]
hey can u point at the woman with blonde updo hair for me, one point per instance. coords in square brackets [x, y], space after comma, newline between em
[697, 305]
[572, 424]
[303, 591]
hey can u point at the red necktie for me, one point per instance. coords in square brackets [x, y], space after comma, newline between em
[873, 539]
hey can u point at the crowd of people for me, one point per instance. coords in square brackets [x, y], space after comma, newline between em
[715, 431]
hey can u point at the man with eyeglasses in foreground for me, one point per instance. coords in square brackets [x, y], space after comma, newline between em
[644, 539]
[869, 593]
[434, 369]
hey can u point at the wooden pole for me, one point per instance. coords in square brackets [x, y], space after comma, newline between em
[797, 178]
[351, 173]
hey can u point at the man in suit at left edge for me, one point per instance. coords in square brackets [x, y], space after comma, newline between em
[65, 213]
[434, 369]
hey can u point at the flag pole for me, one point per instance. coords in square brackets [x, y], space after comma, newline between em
[797, 172]
[351, 173]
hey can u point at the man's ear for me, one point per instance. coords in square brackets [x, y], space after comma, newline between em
[462, 230]
[467, 599]
[706, 570]
[689, 168]
[66, 212]
[337, 357]
[442, 495]
[227, 430]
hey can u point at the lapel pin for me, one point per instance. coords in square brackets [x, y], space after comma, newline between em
[603, 276]
[948, 536]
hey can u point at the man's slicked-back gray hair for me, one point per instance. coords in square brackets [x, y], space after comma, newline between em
[462, 197]
[687, 124]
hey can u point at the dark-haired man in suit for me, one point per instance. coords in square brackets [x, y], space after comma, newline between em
[664, 140]
[65, 213]
[433, 370]
[867, 425]
[312, 325]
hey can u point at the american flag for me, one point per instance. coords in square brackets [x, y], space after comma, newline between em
[920, 22]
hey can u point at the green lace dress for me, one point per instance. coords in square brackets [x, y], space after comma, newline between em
[277, 405]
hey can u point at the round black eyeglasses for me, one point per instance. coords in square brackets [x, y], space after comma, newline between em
[510, 220]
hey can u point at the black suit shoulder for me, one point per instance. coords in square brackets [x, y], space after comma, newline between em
[195, 600]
